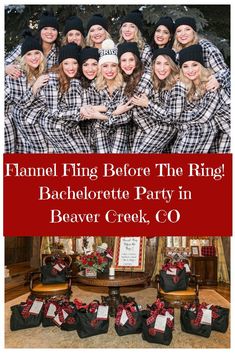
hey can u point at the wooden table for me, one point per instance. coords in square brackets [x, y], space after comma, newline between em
[122, 279]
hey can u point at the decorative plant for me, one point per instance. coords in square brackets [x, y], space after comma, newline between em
[94, 260]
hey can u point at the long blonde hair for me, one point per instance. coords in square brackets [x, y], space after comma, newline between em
[177, 46]
[138, 38]
[90, 43]
[101, 82]
[33, 74]
[170, 80]
[195, 92]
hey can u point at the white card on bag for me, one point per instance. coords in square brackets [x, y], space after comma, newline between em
[36, 307]
[102, 312]
[59, 267]
[206, 317]
[160, 323]
[51, 311]
[57, 320]
[187, 268]
[124, 317]
[171, 272]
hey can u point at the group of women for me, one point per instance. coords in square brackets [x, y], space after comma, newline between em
[89, 95]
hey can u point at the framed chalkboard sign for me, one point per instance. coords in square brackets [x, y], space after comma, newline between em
[129, 254]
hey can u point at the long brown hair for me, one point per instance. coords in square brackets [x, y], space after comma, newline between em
[132, 80]
[64, 80]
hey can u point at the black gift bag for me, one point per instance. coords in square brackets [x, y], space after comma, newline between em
[151, 335]
[71, 321]
[170, 283]
[189, 323]
[220, 319]
[88, 324]
[19, 320]
[133, 324]
[50, 275]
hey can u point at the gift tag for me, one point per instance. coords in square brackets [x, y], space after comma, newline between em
[103, 311]
[124, 317]
[160, 323]
[169, 316]
[57, 319]
[51, 311]
[206, 317]
[171, 271]
[59, 267]
[187, 268]
[36, 307]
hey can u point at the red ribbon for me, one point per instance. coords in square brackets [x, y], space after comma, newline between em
[130, 308]
[169, 265]
[80, 305]
[25, 312]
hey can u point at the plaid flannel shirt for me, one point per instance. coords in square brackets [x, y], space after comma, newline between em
[89, 97]
[202, 110]
[157, 129]
[10, 135]
[146, 55]
[110, 136]
[196, 125]
[19, 97]
[60, 119]
[214, 59]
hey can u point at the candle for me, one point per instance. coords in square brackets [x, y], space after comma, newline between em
[111, 272]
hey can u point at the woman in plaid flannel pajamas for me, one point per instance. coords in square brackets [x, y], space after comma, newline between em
[111, 136]
[20, 97]
[196, 125]
[74, 31]
[97, 31]
[165, 105]
[137, 80]
[48, 33]
[62, 98]
[89, 58]
[186, 35]
[131, 31]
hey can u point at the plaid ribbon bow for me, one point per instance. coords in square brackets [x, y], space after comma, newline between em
[197, 320]
[130, 308]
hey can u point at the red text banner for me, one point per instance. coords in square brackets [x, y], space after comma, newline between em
[117, 195]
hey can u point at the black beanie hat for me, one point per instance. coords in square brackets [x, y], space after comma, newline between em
[74, 22]
[135, 17]
[89, 53]
[68, 51]
[29, 43]
[191, 53]
[188, 21]
[167, 22]
[165, 51]
[128, 47]
[48, 20]
[97, 19]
